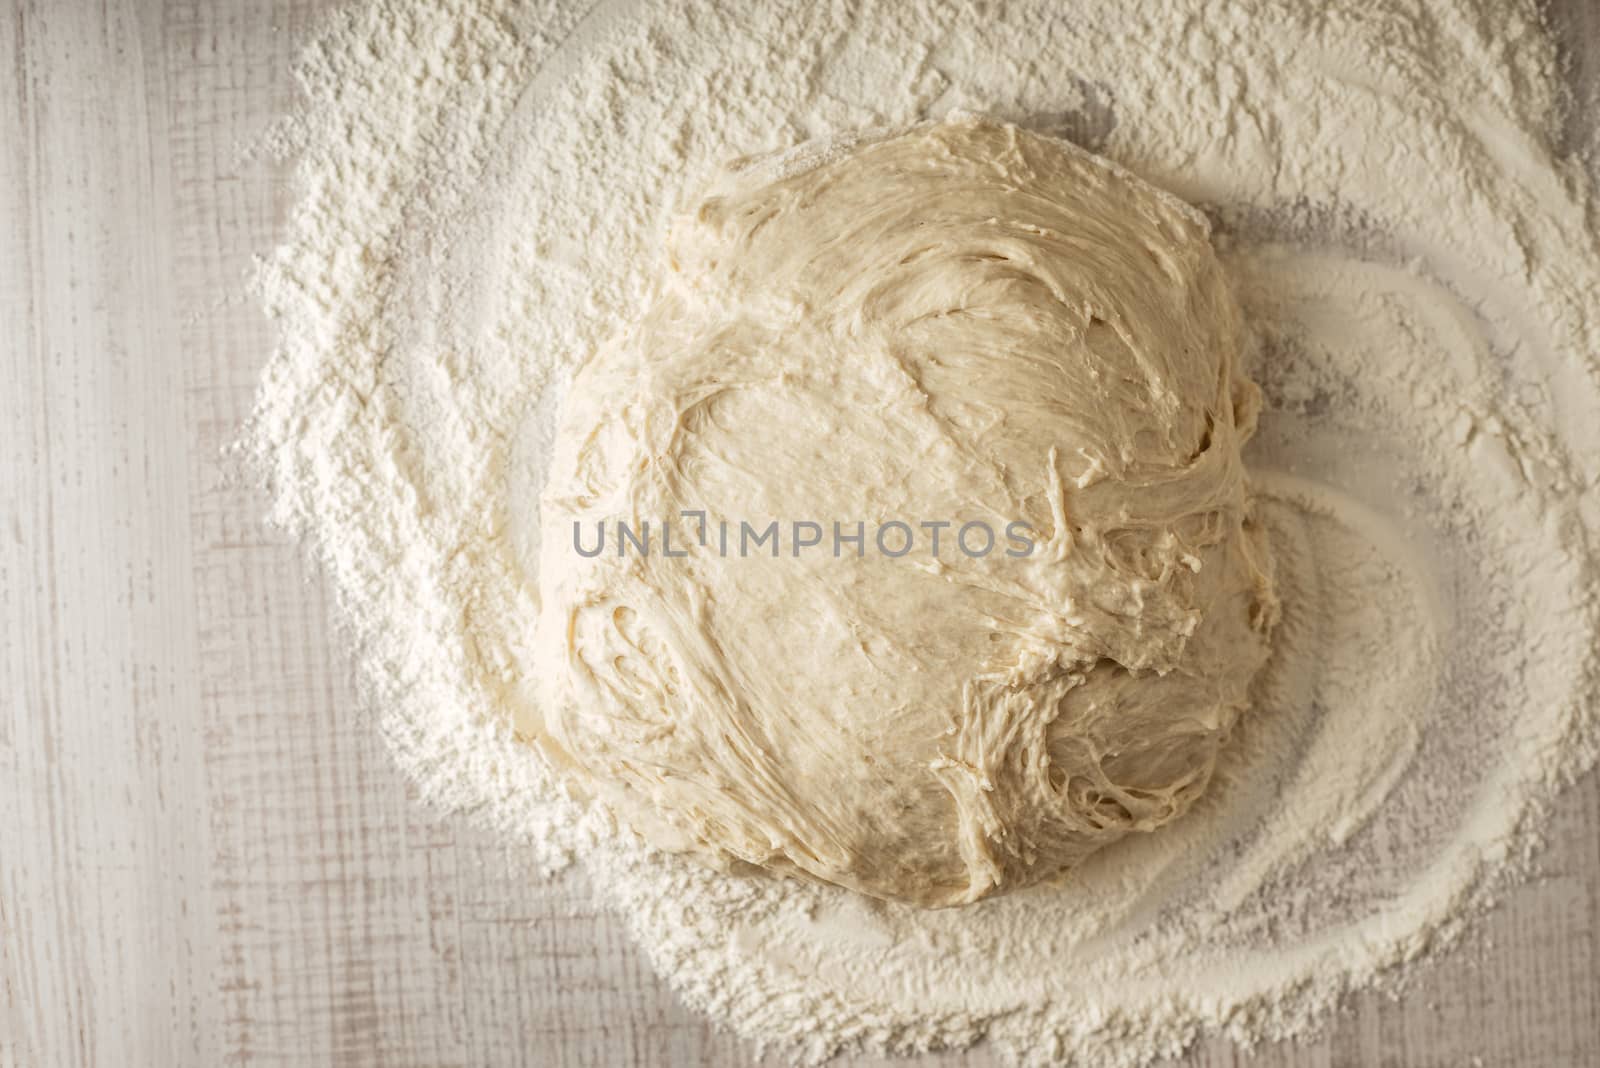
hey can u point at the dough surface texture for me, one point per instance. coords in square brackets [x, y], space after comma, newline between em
[957, 323]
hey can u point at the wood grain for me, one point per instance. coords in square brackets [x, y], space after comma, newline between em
[205, 856]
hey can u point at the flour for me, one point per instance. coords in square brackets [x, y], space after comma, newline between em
[482, 185]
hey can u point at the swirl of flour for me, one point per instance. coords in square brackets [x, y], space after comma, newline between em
[960, 324]
[1414, 250]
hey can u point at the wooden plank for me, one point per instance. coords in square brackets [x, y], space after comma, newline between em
[205, 855]
[332, 895]
[104, 773]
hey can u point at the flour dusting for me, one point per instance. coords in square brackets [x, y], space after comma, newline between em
[482, 186]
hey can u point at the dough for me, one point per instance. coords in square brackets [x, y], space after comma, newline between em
[962, 323]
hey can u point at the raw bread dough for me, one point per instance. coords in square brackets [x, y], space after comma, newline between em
[960, 322]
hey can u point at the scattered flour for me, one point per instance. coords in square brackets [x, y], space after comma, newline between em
[481, 189]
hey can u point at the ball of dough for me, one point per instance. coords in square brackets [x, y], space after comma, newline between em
[964, 324]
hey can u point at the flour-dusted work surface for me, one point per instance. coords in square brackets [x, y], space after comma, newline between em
[208, 856]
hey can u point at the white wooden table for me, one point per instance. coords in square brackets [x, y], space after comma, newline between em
[205, 856]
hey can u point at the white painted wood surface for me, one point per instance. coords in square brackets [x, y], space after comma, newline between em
[205, 857]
